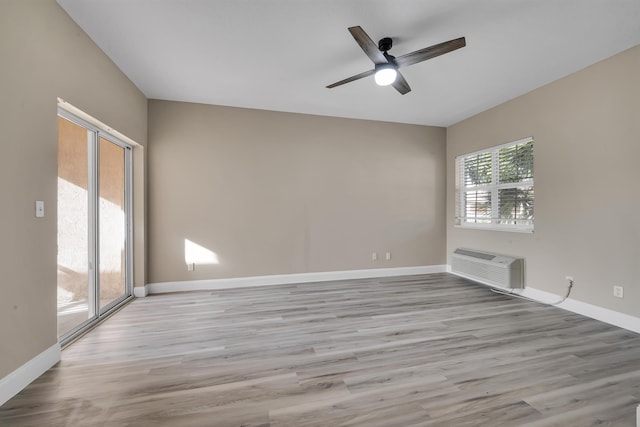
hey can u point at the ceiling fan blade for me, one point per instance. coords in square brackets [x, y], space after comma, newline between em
[430, 52]
[352, 78]
[367, 45]
[401, 85]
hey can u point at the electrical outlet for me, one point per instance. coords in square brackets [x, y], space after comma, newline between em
[388, 256]
[618, 291]
[569, 278]
[191, 266]
[374, 256]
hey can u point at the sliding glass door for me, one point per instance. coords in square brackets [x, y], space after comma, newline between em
[75, 283]
[112, 234]
[94, 199]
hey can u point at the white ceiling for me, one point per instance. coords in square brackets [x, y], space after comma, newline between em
[280, 54]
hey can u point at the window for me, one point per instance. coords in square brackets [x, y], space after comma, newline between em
[494, 187]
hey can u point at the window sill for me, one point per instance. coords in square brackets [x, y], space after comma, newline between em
[525, 230]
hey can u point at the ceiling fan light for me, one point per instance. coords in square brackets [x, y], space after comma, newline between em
[385, 75]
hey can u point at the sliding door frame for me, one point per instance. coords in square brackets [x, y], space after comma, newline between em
[96, 313]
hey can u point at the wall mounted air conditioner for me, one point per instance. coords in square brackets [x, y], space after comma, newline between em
[489, 268]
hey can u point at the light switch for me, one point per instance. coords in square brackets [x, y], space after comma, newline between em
[39, 209]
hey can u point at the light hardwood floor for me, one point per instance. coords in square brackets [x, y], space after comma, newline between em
[432, 350]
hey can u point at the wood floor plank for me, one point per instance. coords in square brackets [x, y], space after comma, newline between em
[428, 350]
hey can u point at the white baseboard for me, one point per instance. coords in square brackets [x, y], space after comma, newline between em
[140, 291]
[283, 279]
[611, 317]
[13, 383]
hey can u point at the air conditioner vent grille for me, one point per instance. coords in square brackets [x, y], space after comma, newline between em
[481, 255]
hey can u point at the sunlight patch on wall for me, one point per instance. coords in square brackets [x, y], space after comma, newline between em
[196, 254]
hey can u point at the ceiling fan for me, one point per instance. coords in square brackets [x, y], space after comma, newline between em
[386, 65]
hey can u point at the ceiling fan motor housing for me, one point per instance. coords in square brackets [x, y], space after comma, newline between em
[385, 44]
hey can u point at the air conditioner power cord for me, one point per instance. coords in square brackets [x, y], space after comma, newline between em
[513, 294]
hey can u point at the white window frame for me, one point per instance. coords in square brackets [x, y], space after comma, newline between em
[493, 188]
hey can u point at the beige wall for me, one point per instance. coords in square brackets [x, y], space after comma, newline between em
[586, 128]
[278, 193]
[44, 55]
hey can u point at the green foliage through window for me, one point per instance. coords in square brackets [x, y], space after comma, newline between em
[477, 169]
[516, 162]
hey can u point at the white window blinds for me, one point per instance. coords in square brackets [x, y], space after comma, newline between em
[494, 187]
